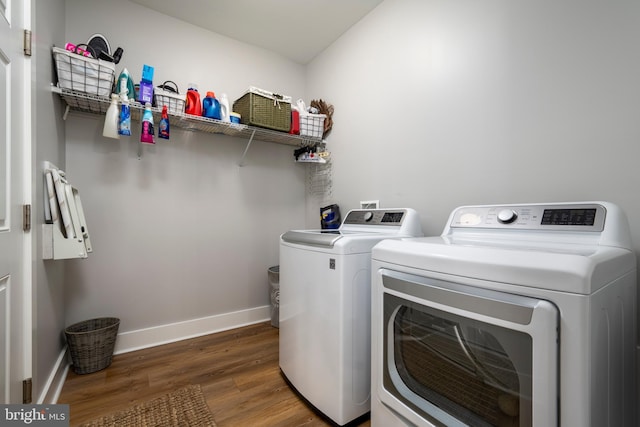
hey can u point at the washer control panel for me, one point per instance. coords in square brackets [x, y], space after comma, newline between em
[375, 217]
[564, 217]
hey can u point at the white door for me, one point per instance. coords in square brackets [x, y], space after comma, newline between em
[13, 137]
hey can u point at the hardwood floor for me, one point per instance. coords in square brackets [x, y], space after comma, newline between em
[237, 370]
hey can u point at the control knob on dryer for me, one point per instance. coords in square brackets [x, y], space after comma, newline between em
[507, 216]
[368, 216]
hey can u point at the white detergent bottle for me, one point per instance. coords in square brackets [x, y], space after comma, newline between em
[225, 114]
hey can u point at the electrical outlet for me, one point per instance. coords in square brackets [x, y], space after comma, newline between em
[369, 204]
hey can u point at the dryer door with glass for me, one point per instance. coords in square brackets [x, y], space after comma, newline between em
[456, 354]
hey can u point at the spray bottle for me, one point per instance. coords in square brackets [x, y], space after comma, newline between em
[163, 132]
[124, 122]
[147, 132]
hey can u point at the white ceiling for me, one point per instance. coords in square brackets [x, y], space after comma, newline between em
[297, 29]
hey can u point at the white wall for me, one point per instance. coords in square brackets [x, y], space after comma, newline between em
[445, 103]
[182, 232]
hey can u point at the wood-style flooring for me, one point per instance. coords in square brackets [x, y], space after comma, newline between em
[237, 370]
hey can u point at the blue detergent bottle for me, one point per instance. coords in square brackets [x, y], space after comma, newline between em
[211, 107]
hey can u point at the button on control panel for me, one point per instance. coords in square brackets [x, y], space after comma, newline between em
[507, 216]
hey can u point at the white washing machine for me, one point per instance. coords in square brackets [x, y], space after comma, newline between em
[325, 308]
[519, 315]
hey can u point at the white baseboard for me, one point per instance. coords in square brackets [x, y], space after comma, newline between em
[158, 335]
[53, 386]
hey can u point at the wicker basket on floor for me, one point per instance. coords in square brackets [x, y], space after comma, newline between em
[91, 343]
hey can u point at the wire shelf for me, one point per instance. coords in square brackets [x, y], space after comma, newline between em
[83, 102]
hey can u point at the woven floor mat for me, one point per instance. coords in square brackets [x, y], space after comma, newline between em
[184, 407]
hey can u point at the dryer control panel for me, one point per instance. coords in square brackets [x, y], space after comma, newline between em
[561, 217]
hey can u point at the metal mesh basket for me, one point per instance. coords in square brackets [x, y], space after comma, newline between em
[312, 125]
[167, 94]
[91, 343]
[82, 74]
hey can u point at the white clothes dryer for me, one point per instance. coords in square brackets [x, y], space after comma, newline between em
[519, 315]
[325, 308]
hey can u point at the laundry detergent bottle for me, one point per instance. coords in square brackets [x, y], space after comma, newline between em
[211, 106]
[193, 105]
[225, 113]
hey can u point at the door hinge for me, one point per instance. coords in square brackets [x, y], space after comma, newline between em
[26, 217]
[27, 42]
[26, 391]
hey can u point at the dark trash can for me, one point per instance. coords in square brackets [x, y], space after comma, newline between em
[91, 343]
